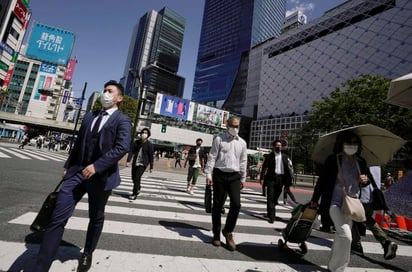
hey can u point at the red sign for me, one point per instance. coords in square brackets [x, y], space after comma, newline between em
[21, 11]
[7, 78]
[70, 69]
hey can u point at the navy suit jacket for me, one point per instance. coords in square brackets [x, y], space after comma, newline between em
[114, 143]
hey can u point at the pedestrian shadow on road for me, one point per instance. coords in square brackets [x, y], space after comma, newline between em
[25, 262]
[383, 263]
[285, 255]
[186, 230]
[191, 205]
[121, 194]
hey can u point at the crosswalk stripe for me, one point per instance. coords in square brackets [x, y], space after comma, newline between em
[110, 260]
[192, 234]
[47, 156]
[17, 154]
[3, 155]
[29, 154]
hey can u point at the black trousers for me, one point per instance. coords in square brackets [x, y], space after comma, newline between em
[225, 183]
[137, 172]
[274, 190]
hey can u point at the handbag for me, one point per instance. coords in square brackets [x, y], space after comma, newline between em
[43, 217]
[351, 206]
[208, 198]
[378, 198]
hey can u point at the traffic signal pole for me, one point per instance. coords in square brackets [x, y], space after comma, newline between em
[78, 116]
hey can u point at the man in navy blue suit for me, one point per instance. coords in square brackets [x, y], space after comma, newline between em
[92, 168]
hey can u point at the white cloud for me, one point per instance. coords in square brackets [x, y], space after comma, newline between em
[306, 8]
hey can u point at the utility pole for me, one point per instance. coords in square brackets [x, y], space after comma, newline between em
[78, 116]
[140, 78]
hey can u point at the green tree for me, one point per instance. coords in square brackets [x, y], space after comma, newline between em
[128, 106]
[357, 101]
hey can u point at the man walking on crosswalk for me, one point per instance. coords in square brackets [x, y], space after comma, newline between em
[226, 171]
[92, 168]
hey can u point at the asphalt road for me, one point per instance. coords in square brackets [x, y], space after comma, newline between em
[165, 229]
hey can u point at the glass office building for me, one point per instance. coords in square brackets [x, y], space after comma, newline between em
[371, 37]
[154, 52]
[229, 29]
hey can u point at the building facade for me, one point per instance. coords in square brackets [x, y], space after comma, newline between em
[229, 29]
[14, 17]
[303, 65]
[154, 55]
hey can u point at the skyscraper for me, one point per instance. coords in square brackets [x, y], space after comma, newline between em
[230, 28]
[154, 55]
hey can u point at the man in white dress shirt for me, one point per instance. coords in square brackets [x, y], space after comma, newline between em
[226, 171]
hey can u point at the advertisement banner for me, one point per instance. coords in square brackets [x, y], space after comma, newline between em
[50, 44]
[48, 68]
[211, 116]
[174, 107]
[70, 69]
[21, 11]
[65, 96]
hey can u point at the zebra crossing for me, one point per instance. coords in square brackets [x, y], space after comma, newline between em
[166, 229]
[29, 153]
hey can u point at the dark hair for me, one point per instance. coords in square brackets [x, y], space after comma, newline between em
[199, 139]
[115, 83]
[276, 141]
[345, 137]
[147, 130]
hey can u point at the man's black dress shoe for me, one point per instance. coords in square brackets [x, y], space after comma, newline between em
[85, 262]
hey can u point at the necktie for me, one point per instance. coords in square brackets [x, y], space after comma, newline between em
[96, 126]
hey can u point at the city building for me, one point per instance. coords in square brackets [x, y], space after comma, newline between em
[154, 56]
[229, 29]
[294, 20]
[307, 63]
[14, 18]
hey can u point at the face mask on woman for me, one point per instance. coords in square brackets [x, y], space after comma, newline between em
[350, 149]
[144, 136]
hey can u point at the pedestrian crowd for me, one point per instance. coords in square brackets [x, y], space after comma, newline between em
[105, 137]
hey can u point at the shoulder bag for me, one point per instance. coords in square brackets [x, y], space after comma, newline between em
[351, 206]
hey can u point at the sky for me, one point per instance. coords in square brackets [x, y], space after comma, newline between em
[103, 32]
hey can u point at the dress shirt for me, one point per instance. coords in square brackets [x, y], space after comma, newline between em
[228, 154]
[279, 170]
[105, 117]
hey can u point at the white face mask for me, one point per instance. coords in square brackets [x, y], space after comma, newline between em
[233, 131]
[107, 100]
[143, 136]
[350, 149]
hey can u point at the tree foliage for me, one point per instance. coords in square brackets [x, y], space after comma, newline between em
[356, 102]
[128, 106]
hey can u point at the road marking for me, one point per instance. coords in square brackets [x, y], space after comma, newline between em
[17, 154]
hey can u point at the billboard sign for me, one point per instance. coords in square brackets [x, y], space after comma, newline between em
[174, 107]
[211, 116]
[50, 44]
[70, 69]
[21, 11]
[48, 68]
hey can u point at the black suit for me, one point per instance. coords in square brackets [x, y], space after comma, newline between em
[274, 182]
